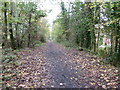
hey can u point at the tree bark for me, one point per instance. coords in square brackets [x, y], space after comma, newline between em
[13, 46]
[29, 29]
[5, 32]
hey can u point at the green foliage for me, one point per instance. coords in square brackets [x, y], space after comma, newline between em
[116, 59]
[102, 52]
[6, 78]
[86, 24]
[37, 43]
[26, 24]
[23, 26]
[10, 56]
[69, 44]
[9, 63]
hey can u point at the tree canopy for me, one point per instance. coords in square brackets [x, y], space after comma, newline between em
[88, 24]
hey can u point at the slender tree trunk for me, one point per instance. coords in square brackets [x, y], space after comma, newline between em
[111, 52]
[119, 51]
[93, 39]
[17, 36]
[116, 38]
[98, 36]
[13, 46]
[98, 33]
[5, 32]
[29, 29]
[17, 30]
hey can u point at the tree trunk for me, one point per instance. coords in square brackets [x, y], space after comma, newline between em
[119, 51]
[98, 36]
[5, 34]
[29, 29]
[13, 46]
[17, 36]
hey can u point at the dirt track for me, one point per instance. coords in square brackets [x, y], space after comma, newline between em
[52, 65]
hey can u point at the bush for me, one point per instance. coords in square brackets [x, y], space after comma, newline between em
[37, 43]
[69, 44]
[116, 59]
[102, 52]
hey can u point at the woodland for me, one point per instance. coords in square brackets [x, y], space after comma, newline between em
[85, 40]
[84, 25]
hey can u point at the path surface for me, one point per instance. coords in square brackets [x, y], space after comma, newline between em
[52, 65]
[59, 68]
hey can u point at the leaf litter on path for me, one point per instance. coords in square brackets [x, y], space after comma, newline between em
[85, 70]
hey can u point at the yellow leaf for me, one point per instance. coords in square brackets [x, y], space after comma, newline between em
[92, 83]
[76, 72]
[76, 79]
[43, 84]
[103, 86]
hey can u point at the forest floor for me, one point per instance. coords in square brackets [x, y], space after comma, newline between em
[54, 66]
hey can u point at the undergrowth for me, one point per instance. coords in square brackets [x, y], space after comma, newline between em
[9, 63]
